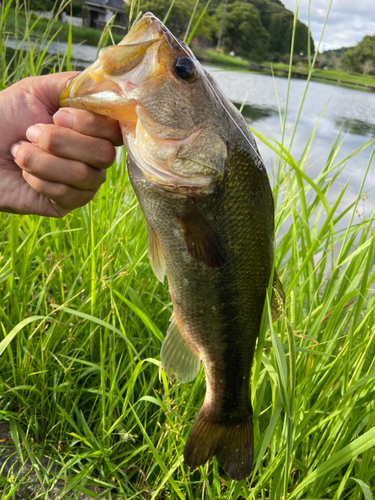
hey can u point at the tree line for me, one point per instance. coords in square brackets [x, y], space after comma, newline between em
[254, 29]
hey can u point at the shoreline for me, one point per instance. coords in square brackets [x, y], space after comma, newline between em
[229, 63]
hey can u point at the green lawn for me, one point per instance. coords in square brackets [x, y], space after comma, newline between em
[222, 60]
[339, 76]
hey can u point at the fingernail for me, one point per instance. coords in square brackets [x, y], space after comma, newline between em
[14, 149]
[32, 133]
[63, 119]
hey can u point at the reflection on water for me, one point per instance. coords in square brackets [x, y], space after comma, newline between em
[330, 105]
[254, 113]
[355, 126]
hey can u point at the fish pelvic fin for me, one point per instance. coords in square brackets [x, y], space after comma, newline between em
[278, 298]
[179, 359]
[155, 254]
[233, 445]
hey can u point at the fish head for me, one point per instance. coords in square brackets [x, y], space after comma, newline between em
[155, 87]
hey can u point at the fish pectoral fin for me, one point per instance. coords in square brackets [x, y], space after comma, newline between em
[179, 359]
[155, 254]
[232, 445]
[202, 240]
[278, 298]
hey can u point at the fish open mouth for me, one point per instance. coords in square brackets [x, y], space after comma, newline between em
[106, 86]
[114, 86]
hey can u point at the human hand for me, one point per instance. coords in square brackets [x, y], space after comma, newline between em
[63, 163]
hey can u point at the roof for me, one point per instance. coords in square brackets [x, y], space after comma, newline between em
[101, 5]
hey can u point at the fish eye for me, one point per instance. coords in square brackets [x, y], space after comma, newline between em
[185, 69]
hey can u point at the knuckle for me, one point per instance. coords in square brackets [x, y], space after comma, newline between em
[87, 123]
[48, 140]
[102, 177]
[80, 172]
[99, 180]
[86, 177]
[83, 198]
[106, 153]
[62, 191]
[29, 82]
[25, 156]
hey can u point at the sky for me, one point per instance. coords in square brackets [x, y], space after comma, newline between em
[348, 22]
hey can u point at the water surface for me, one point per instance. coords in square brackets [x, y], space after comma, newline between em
[349, 109]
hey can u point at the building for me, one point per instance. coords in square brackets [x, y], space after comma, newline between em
[102, 11]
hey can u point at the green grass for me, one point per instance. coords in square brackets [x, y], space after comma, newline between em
[82, 319]
[339, 76]
[222, 60]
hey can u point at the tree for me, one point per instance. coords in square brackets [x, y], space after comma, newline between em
[367, 66]
[279, 43]
[244, 33]
[41, 5]
[363, 55]
[179, 16]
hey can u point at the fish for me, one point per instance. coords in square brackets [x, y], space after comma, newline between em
[206, 197]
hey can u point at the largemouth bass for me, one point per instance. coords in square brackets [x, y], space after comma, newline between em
[206, 197]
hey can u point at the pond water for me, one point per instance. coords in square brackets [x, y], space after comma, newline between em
[353, 110]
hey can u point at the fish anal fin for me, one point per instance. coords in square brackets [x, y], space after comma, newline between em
[278, 298]
[155, 254]
[202, 240]
[232, 444]
[179, 359]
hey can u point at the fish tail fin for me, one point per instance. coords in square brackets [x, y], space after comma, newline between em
[232, 445]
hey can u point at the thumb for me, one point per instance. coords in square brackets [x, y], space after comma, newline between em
[49, 88]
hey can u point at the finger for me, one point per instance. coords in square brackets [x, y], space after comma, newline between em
[88, 123]
[51, 168]
[66, 197]
[67, 143]
[49, 87]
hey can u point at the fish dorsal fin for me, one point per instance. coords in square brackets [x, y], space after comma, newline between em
[202, 240]
[278, 298]
[155, 254]
[178, 358]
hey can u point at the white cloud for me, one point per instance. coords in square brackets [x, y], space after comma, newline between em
[348, 21]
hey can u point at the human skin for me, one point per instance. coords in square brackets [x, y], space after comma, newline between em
[51, 161]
